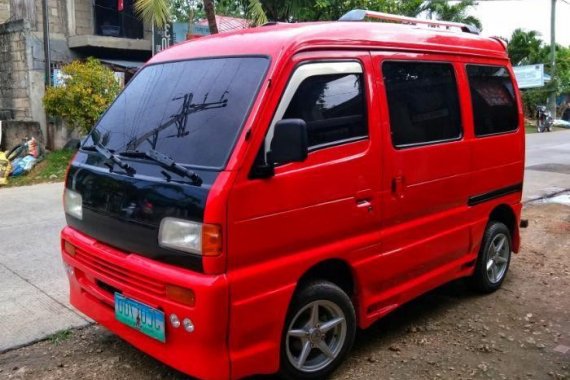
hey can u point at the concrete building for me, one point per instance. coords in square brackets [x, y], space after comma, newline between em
[105, 29]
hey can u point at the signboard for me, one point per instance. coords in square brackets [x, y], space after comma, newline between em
[201, 30]
[530, 76]
[162, 38]
[181, 31]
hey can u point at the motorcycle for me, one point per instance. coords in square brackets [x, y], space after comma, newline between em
[544, 119]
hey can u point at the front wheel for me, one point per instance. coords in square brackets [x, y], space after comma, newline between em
[319, 331]
[494, 258]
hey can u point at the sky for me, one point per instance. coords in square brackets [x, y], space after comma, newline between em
[502, 17]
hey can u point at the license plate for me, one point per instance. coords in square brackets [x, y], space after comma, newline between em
[146, 319]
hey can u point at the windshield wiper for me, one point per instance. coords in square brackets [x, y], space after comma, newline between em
[110, 156]
[166, 162]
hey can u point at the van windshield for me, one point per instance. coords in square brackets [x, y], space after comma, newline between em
[191, 111]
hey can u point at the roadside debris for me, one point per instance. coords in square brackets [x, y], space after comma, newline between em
[20, 160]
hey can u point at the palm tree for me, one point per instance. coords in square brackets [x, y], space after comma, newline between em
[442, 10]
[524, 47]
[153, 12]
[210, 10]
[158, 12]
[259, 11]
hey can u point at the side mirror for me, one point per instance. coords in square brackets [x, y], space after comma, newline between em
[289, 143]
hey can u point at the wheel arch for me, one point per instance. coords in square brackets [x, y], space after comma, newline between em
[337, 271]
[505, 214]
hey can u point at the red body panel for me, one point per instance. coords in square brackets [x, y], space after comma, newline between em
[416, 231]
[202, 353]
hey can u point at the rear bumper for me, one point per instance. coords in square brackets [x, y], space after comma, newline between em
[98, 270]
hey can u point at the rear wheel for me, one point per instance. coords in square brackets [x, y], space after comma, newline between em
[319, 331]
[494, 258]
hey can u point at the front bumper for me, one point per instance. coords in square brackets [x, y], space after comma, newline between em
[99, 270]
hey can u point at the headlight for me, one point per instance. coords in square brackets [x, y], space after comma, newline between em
[188, 236]
[73, 203]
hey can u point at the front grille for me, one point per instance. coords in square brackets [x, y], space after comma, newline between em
[119, 274]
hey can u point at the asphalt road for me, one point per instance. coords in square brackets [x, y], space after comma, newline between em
[547, 164]
[33, 285]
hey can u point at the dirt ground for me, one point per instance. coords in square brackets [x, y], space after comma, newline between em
[520, 332]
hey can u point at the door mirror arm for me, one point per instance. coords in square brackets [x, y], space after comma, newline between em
[289, 144]
[260, 171]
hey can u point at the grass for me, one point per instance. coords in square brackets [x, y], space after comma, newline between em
[60, 336]
[50, 169]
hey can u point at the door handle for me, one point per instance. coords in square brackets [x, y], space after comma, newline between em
[363, 203]
[364, 200]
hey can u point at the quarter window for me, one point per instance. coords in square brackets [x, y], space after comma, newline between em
[493, 100]
[422, 101]
[333, 106]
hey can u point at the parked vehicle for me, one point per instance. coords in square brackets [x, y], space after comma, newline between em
[250, 199]
[544, 119]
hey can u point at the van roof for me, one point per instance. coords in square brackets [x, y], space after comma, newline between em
[287, 38]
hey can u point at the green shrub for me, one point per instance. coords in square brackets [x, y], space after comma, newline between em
[88, 89]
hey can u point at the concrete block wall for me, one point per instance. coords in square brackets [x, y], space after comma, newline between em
[83, 17]
[57, 17]
[13, 132]
[15, 56]
[4, 10]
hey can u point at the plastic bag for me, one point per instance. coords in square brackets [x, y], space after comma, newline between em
[22, 165]
[5, 169]
[33, 147]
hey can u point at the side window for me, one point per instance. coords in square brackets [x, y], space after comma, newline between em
[493, 100]
[333, 106]
[422, 101]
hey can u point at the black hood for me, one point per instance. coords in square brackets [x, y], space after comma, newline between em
[125, 211]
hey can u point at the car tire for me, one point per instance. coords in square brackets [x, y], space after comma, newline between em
[494, 258]
[318, 333]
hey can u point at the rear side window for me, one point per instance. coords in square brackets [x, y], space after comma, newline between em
[423, 102]
[333, 106]
[493, 100]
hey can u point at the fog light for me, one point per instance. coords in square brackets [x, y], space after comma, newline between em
[69, 248]
[174, 321]
[180, 295]
[188, 325]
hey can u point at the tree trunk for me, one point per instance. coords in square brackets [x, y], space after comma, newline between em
[211, 16]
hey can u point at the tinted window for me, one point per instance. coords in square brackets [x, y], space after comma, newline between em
[423, 102]
[191, 111]
[493, 100]
[333, 106]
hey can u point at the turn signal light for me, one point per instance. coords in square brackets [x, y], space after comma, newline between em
[211, 240]
[180, 295]
[69, 248]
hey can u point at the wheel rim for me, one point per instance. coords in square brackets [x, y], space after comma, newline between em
[316, 336]
[498, 258]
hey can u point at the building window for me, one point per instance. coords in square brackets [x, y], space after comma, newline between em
[333, 106]
[117, 18]
[423, 102]
[493, 99]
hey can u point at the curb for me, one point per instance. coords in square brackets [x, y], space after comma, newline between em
[546, 196]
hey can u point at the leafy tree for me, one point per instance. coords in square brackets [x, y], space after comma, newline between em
[524, 47]
[88, 90]
[159, 12]
[443, 10]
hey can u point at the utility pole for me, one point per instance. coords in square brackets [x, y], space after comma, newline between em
[552, 97]
[47, 53]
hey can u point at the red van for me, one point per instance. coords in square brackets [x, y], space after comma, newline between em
[252, 198]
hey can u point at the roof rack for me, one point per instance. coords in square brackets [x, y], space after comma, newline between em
[362, 14]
